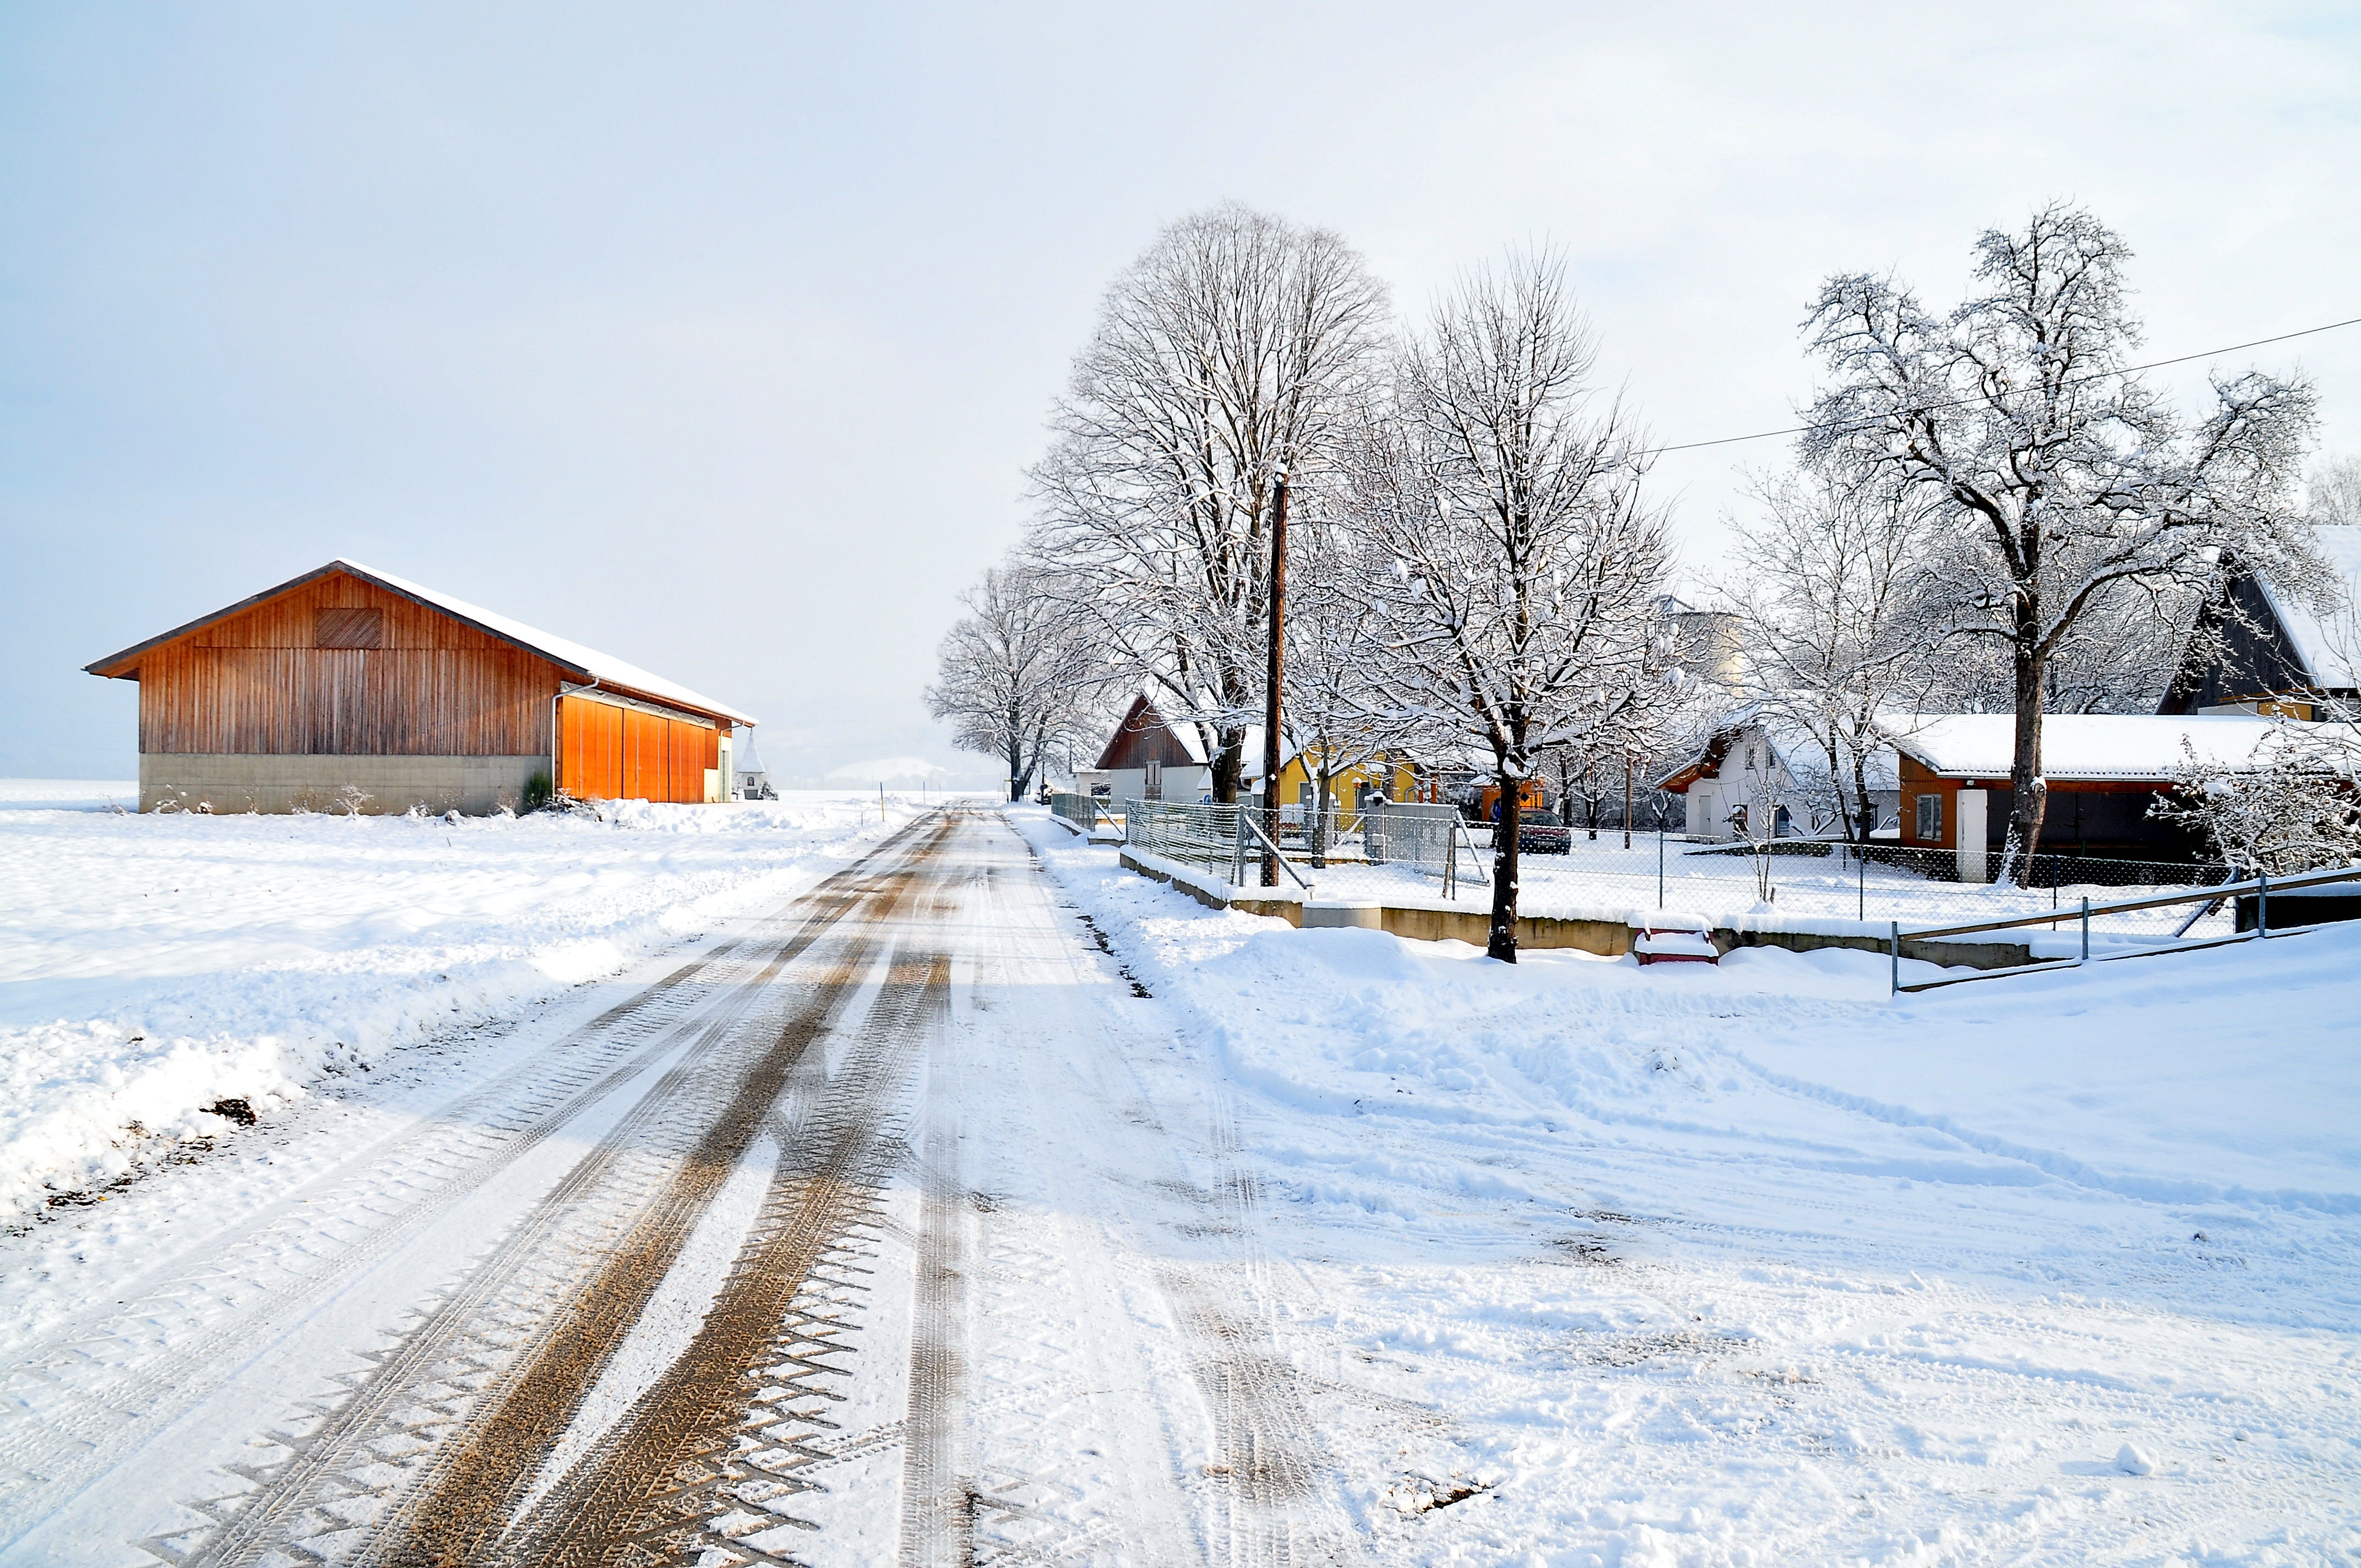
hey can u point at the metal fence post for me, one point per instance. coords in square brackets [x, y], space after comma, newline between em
[2086, 928]
[1860, 881]
[1894, 929]
[2262, 904]
[1659, 865]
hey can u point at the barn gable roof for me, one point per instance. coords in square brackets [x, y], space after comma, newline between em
[2325, 643]
[584, 664]
[1142, 717]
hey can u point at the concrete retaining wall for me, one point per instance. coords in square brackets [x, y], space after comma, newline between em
[1608, 939]
[239, 782]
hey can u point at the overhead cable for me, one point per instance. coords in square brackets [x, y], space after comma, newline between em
[1959, 402]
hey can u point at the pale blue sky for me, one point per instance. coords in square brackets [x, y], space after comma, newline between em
[718, 336]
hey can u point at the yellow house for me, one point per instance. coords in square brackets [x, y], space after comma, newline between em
[1388, 773]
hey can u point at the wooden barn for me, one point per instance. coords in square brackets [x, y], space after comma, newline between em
[348, 688]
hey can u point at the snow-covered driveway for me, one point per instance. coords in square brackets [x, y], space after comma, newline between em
[988, 1204]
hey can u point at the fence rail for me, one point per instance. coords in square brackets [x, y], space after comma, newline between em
[1428, 854]
[1403, 850]
[2232, 892]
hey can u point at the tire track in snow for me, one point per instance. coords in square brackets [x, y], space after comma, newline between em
[937, 1492]
[470, 1348]
[707, 1463]
[494, 1126]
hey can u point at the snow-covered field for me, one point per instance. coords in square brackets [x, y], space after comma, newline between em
[151, 967]
[1567, 1264]
[1755, 1265]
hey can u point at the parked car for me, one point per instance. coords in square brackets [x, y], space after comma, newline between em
[1543, 833]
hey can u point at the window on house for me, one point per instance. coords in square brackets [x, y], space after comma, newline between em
[1930, 818]
[1154, 788]
[349, 628]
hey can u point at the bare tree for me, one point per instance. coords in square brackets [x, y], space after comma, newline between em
[1328, 717]
[1826, 584]
[2061, 482]
[1521, 613]
[2332, 497]
[1238, 347]
[1017, 674]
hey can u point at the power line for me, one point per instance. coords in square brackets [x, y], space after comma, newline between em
[1958, 402]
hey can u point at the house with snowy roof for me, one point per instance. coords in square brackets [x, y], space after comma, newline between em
[2105, 771]
[1756, 764]
[2262, 650]
[1149, 758]
[349, 687]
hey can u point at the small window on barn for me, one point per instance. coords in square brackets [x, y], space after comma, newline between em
[1930, 818]
[349, 629]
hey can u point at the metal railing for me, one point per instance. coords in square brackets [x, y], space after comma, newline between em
[1404, 851]
[1206, 836]
[2241, 895]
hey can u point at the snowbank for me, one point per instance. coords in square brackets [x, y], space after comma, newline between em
[151, 967]
[1756, 1264]
[2220, 1076]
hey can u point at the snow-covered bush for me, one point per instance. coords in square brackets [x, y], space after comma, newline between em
[2295, 807]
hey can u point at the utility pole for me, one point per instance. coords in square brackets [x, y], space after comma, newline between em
[1278, 665]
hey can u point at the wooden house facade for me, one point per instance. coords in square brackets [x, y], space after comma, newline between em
[1147, 758]
[2103, 771]
[2265, 651]
[351, 688]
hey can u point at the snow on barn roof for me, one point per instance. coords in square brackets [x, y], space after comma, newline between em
[583, 664]
[2082, 745]
[2330, 645]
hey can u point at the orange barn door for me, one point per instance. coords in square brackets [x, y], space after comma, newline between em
[590, 749]
[608, 752]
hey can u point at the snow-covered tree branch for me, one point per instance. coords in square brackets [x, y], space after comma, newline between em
[1238, 347]
[2061, 484]
[1519, 614]
[1018, 675]
[2295, 807]
[1826, 580]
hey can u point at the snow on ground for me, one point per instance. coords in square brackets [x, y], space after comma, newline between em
[151, 967]
[1755, 1264]
[1600, 880]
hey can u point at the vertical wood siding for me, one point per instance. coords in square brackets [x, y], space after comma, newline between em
[258, 683]
[609, 753]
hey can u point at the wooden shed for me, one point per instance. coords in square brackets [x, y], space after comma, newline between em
[351, 688]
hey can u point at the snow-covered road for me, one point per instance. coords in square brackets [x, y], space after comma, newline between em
[986, 1203]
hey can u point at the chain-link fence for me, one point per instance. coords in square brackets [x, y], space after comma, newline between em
[1424, 854]
[1084, 811]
